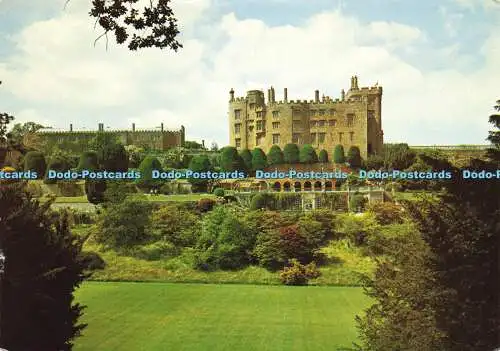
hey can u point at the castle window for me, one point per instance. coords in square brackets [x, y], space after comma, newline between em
[350, 120]
[321, 112]
[237, 114]
[296, 138]
[313, 123]
[297, 124]
[276, 114]
[276, 125]
[259, 125]
[237, 128]
[340, 136]
[313, 138]
[276, 138]
[321, 137]
[371, 114]
[332, 123]
[351, 136]
[333, 112]
[252, 106]
[260, 114]
[238, 143]
[321, 123]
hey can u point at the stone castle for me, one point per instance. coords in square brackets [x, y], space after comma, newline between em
[161, 139]
[353, 120]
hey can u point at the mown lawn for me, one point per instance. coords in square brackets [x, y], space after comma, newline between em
[162, 316]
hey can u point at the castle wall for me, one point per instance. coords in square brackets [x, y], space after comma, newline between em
[154, 139]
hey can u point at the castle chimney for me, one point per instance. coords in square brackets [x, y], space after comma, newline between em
[316, 96]
[231, 95]
[101, 127]
[133, 127]
[71, 127]
[323, 98]
[203, 143]
[273, 97]
[269, 95]
[161, 125]
[354, 83]
[285, 95]
[342, 94]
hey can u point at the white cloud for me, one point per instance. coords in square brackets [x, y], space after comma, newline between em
[59, 77]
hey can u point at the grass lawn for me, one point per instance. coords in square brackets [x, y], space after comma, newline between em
[159, 316]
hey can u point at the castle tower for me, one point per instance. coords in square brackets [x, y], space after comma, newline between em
[285, 95]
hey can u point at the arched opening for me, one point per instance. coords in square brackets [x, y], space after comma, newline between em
[286, 186]
[307, 186]
[277, 186]
[328, 186]
[317, 186]
[298, 186]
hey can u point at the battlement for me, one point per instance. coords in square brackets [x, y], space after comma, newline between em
[111, 131]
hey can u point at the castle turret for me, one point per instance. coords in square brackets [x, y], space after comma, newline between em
[231, 95]
[269, 95]
[273, 97]
[316, 96]
[285, 95]
[342, 95]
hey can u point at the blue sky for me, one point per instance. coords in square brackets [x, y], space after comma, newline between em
[437, 61]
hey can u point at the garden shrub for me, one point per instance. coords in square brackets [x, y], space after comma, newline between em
[358, 202]
[219, 192]
[205, 205]
[156, 251]
[298, 274]
[387, 213]
[92, 260]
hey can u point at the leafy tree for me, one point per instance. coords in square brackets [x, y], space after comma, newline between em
[88, 160]
[259, 159]
[398, 156]
[275, 156]
[291, 153]
[35, 161]
[354, 157]
[200, 163]
[374, 162]
[338, 154]
[43, 268]
[247, 158]
[154, 26]
[125, 224]
[230, 160]
[225, 242]
[95, 189]
[214, 146]
[193, 145]
[323, 156]
[113, 158]
[308, 155]
[146, 168]
[404, 292]
[176, 225]
[25, 134]
[58, 163]
[135, 155]
[453, 293]
[494, 135]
